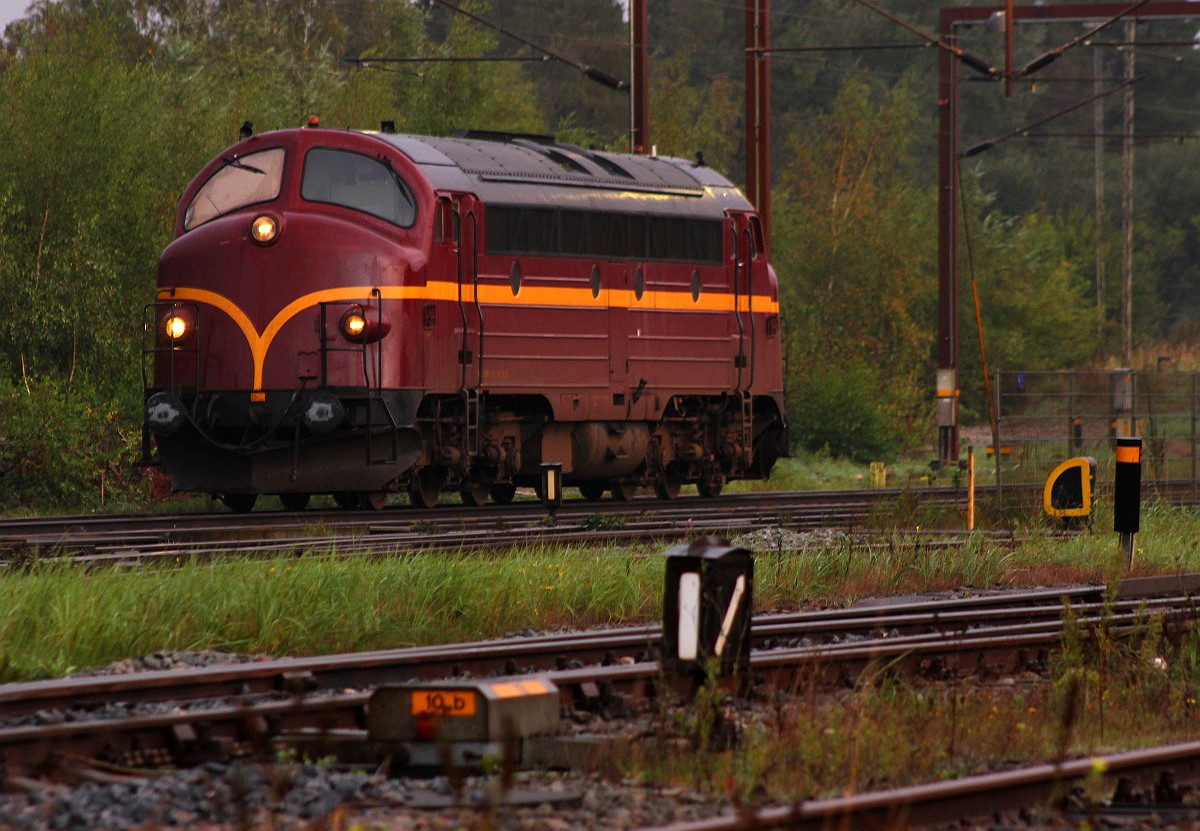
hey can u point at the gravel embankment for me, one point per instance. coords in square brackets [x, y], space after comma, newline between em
[241, 796]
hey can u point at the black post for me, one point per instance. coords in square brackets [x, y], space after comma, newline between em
[1127, 492]
[707, 608]
[552, 486]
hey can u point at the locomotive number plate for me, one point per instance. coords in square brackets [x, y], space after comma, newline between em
[443, 703]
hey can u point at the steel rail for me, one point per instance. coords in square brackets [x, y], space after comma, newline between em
[50, 531]
[549, 651]
[201, 726]
[481, 657]
[488, 530]
[951, 800]
[388, 539]
[200, 732]
[819, 507]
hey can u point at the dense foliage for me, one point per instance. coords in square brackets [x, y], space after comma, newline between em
[108, 107]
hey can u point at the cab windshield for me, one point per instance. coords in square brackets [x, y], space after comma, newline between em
[359, 182]
[244, 180]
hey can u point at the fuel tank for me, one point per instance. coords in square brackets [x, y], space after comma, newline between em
[590, 449]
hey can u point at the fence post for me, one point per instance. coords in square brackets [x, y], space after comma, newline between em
[1074, 437]
[970, 488]
[1193, 438]
[996, 447]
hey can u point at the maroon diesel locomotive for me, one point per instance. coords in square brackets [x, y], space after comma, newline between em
[359, 313]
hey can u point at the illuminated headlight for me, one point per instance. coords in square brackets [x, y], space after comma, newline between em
[354, 325]
[264, 229]
[362, 324]
[177, 325]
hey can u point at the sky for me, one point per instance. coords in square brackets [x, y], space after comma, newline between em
[10, 10]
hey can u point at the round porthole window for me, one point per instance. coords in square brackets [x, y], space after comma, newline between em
[695, 286]
[514, 278]
[595, 281]
[639, 284]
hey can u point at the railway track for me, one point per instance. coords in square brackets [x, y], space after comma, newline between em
[950, 801]
[96, 540]
[76, 727]
[99, 540]
[187, 715]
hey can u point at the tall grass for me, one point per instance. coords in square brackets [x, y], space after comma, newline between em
[54, 618]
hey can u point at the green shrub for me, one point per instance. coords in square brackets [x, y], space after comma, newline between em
[64, 449]
[843, 411]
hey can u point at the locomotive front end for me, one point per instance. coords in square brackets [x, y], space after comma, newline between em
[275, 361]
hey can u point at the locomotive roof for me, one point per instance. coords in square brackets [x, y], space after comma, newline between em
[538, 172]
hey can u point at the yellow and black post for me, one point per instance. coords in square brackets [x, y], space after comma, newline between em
[1127, 492]
[552, 486]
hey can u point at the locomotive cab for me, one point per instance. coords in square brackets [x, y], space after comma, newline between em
[270, 339]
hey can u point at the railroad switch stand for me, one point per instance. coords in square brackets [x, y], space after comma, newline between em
[707, 608]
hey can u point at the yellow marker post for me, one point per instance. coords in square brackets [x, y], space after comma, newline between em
[970, 488]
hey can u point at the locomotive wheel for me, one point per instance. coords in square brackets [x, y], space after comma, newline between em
[624, 491]
[767, 451]
[423, 490]
[373, 500]
[709, 487]
[240, 503]
[474, 495]
[295, 501]
[503, 493]
[668, 487]
[346, 500]
[591, 491]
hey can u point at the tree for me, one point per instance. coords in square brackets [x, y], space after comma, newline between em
[686, 119]
[452, 96]
[854, 249]
[82, 213]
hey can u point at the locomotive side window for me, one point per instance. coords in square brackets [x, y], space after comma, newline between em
[522, 231]
[576, 232]
[610, 235]
[694, 240]
[359, 182]
[445, 221]
[571, 233]
[244, 180]
[637, 236]
[757, 229]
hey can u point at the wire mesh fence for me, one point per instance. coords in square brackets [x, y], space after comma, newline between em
[1044, 418]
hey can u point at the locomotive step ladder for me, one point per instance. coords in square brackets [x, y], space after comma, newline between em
[471, 431]
[747, 428]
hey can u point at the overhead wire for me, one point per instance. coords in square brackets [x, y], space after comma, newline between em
[990, 143]
[598, 75]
